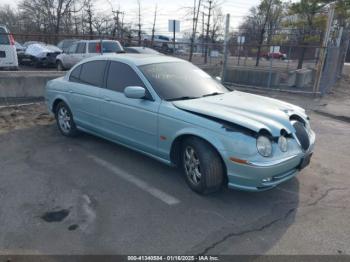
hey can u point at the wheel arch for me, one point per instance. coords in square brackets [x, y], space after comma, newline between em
[176, 146]
[56, 101]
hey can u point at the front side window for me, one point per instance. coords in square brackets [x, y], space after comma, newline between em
[92, 73]
[120, 76]
[181, 80]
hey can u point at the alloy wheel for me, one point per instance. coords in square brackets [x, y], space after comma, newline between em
[192, 165]
[64, 119]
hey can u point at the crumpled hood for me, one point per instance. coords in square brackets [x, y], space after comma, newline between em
[251, 111]
[39, 49]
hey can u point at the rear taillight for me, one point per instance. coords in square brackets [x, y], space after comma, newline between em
[98, 48]
[12, 40]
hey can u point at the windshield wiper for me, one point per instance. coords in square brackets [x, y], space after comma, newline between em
[212, 94]
[181, 98]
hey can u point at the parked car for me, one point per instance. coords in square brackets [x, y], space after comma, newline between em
[275, 55]
[66, 43]
[23, 58]
[8, 54]
[141, 50]
[40, 55]
[28, 43]
[161, 43]
[19, 47]
[173, 111]
[86, 48]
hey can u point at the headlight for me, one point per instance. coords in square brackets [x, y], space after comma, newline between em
[283, 143]
[264, 146]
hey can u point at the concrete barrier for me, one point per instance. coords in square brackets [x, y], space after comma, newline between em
[253, 77]
[303, 77]
[25, 84]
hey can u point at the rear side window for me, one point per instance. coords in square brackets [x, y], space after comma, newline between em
[4, 37]
[75, 75]
[81, 48]
[94, 47]
[120, 76]
[107, 47]
[92, 73]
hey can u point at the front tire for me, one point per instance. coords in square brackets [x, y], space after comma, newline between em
[202, 166]
[64, 119]
[59, 66]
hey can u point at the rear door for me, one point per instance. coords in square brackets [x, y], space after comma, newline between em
[8, 53]
[67, 58]
[80, 53]
[86, 81]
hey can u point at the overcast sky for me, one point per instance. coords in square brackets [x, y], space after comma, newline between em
[167, 9]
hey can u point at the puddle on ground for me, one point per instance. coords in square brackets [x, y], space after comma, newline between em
[73, 227]
[55, 216]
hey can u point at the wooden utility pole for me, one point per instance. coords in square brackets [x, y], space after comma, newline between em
[119, 28]
[139, 24]
[207, 33]
[194, 29]
[323, 49]
[154, 24]
[226, 40]
[203, 29]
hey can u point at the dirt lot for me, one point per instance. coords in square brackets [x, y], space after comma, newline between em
[19, 117]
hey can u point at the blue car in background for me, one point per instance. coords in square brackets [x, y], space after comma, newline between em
[171, 110]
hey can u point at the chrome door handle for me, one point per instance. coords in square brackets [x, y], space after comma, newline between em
[71, 91]
[107, 99]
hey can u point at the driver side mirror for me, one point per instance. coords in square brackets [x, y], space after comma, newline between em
[135, 92]
[218, 78]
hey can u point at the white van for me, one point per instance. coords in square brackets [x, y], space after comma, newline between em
[8, 53]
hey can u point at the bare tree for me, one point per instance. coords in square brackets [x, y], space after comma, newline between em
[89, 16]
[263, 14]
[308, 21]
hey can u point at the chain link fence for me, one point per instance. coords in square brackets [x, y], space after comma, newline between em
[334, 62]
[277, 67]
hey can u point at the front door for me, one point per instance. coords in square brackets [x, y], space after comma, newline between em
[130, 121]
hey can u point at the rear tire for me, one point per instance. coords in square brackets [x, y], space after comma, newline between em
[202, 166]
[64, 119]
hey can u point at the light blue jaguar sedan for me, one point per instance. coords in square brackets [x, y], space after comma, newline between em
[171, 110]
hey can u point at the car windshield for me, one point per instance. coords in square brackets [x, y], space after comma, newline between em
[112, 47]
[181, 80]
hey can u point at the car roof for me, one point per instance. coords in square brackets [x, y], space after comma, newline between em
[137, 59]
[97, 40]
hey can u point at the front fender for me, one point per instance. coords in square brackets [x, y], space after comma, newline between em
[204, 134]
